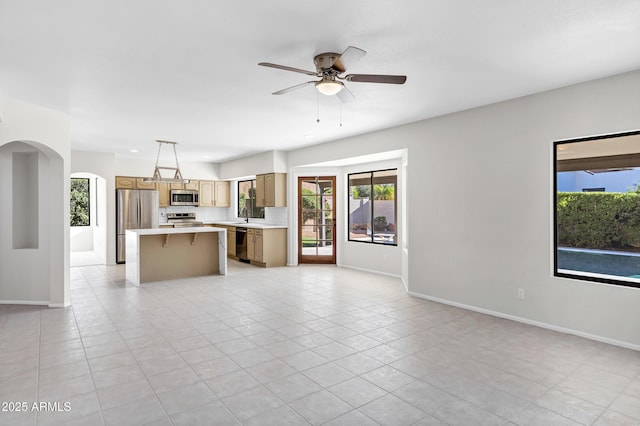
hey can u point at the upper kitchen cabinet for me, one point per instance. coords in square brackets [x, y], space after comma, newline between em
[193, 184]
[207, 193]
[130, 182]
[271, 190]
[214, 193]
[165, 191]
[222, 194]
[141, 184]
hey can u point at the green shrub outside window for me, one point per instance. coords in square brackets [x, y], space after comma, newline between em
[79, 211]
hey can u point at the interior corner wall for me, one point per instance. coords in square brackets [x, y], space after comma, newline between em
[103, 165]
[380, 258]
[480, 207]
[48, 132]
[265, 162]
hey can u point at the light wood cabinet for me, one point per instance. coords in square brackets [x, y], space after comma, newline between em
[222, 194]
[125, 182]
[260, 189]
[133, 182]
[165, 190]
[214, 193]
[271, 190]
[254, 244]
[231, 240]
[141, 184]
[267, 247]
[193, 184]
[207, 193]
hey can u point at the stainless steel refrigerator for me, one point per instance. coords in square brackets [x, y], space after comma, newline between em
[135, 209]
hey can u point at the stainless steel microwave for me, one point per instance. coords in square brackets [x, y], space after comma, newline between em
[184, 197]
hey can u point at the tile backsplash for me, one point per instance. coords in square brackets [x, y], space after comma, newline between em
[272, 215]
[205, 214]
[276, 215]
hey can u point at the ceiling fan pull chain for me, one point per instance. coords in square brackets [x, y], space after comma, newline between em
[340, 114]
[318, 107]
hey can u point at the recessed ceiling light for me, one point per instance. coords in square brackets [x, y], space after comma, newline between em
[308, 136]
[134, 150]
[207, 156]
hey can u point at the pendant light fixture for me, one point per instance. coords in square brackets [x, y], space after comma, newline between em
[157, 177]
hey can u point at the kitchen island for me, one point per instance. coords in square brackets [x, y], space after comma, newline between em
[160, 254]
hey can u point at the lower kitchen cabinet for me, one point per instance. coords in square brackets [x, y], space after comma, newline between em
[231, 238]
[267, 247]
[231, 241]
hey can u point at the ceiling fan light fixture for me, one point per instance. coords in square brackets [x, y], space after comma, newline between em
[329, 87]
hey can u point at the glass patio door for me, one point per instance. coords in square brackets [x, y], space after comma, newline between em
[316, 219]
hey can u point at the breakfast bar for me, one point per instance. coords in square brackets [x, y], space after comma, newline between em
[160, 254]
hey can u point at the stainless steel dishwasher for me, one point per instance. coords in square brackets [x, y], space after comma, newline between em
[241, 243]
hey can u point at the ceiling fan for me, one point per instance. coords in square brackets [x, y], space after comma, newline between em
[329, 67]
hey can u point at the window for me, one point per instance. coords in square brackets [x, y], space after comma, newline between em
[79, 202]
[597, 209]
[373, 207]
[247, 200]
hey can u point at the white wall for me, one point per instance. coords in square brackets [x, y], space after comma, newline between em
[81, 237]
[480, 210]
[101, 225]
[93, 237]
[39, 275]
[380, 258]
[103, 165]
[266, 162]
[144, 168]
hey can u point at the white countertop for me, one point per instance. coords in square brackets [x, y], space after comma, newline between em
[164, 231]
[246, 225]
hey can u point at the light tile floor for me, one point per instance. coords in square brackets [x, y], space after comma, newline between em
[296, 346]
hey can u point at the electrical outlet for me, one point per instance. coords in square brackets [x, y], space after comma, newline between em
[521, 293]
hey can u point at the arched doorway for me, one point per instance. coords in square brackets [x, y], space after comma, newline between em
[33, 242]
[88, 220]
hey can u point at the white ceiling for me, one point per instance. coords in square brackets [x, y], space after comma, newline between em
[130, 72]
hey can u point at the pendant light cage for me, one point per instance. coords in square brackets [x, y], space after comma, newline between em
[157, 176]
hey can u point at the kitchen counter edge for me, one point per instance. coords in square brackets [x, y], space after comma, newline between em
[247, 225]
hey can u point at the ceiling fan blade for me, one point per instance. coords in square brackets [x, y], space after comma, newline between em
[345, 95]
[350, 56]
[377, 78]
[283, 67]
[292, 88]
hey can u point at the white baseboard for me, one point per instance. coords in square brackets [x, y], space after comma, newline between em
[590, 336]
[25, 302]
[59, 305]
[371, 271]
[406, 286]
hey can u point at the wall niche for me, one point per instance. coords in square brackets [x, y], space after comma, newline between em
[25, 200]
